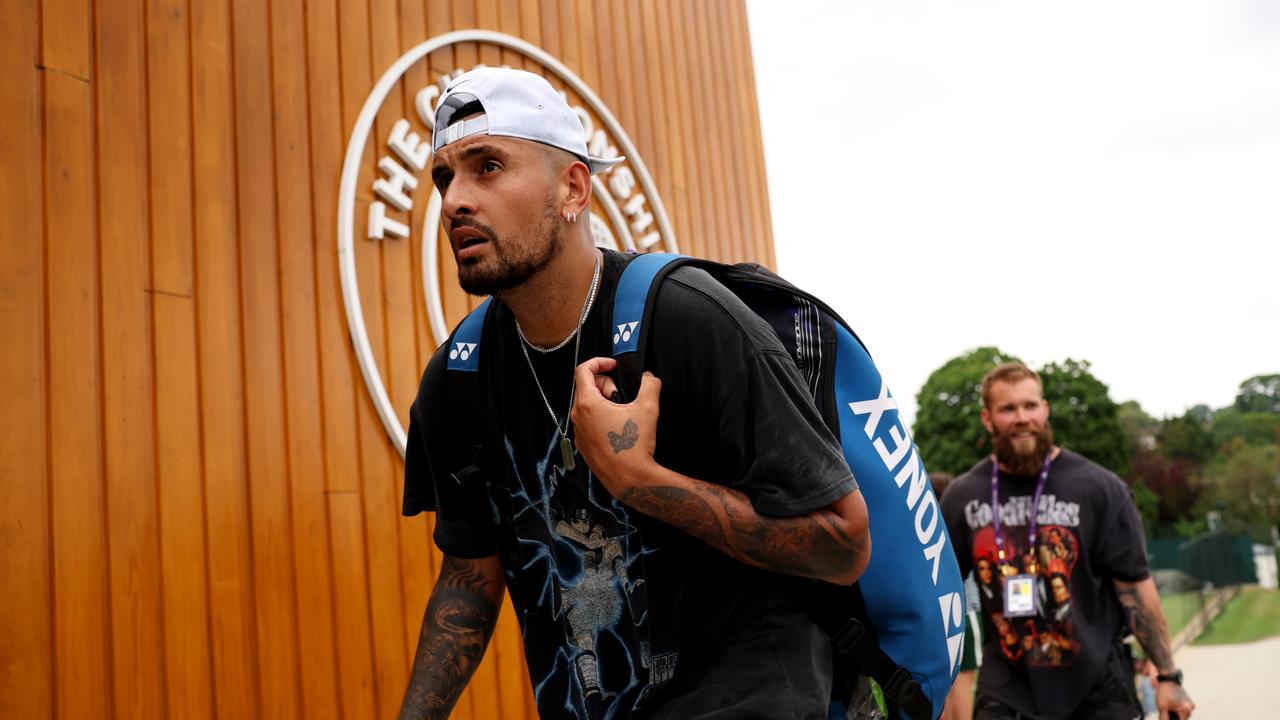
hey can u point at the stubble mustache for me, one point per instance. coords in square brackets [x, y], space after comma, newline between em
[464, 221]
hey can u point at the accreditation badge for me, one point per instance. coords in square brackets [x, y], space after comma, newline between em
[1019, 595]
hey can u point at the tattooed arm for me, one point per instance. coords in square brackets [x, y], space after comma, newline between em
[618, 442]
[455, 631]
[1141, 604]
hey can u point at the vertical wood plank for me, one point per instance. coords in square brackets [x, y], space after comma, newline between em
[749, 113]
[362, 29]
[338, 374]
[413, 30]
[699, 222]
[728, 148]
[26, 677]
[310, 547]
[677, 171]
[81, 642]
[667, 165]
[230, 568]
[550, 26]
[82, 627]
[128, 382]
[181, 494]
[629, 22]
[416, 568]
[712, 146]
[270, 521]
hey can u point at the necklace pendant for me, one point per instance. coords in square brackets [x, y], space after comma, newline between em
[566, 453]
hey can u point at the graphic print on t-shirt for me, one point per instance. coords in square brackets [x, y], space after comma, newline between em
[582, 562]
[1048, 638]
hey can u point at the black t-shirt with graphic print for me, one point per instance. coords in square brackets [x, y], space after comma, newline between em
[618, 610]
[1088, 534]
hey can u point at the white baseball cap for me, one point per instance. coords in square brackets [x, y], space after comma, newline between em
[514, 103]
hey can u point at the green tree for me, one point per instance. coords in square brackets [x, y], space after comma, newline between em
[1083, 414]
[1148, 506]
[1140, 429]
[948, 427]
[1186, 438]
[1244, 482]
[1259, 394]
[1254, 428]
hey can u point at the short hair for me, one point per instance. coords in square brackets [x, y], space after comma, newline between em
[940, 481]
[1010, 372]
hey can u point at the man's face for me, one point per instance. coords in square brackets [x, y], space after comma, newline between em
[1060, 593]
[984, 572]
[500, 209]
[1018, 420]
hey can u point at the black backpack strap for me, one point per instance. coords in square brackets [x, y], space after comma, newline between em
[837, 609]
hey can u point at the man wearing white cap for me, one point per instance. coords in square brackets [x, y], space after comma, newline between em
[643, 556]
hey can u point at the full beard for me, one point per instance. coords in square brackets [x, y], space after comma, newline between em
[1024, 462]
[507, 267]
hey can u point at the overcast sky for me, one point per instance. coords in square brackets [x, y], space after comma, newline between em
[1097, 180]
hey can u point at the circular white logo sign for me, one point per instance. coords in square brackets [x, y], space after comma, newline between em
[627, 213]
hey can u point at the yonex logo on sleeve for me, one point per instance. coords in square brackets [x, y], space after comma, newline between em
[462, 351]
[625, 330]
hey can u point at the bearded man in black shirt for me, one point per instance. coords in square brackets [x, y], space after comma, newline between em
[643, 553]
[1066, 544]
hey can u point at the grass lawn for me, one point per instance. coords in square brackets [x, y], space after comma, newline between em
[1253, 615]
[1179, 608]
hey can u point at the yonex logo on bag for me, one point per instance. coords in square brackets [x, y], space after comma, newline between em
[625, 331]
[462, 350]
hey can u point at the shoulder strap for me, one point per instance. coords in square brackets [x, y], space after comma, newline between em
[463, 386]
[632, 300]
[464, 353]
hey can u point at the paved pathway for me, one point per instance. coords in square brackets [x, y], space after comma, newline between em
[1233, 681]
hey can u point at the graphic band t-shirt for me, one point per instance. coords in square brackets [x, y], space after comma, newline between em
[1088, 534]
[613, 604]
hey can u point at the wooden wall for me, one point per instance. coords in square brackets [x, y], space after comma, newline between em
[200, 507]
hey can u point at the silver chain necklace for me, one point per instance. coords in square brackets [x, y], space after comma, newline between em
[566, 445]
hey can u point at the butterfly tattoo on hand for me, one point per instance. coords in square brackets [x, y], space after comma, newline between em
[626, 440]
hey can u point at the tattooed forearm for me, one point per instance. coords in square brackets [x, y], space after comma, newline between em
[1141, 604]
[819, 545]
[455, 631]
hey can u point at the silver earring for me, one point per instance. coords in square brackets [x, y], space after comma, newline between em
[571, 217]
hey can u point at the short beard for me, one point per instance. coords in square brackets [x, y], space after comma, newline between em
[1028, 463]
[505, 271]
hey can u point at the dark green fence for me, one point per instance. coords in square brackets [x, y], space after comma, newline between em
[1218, 558]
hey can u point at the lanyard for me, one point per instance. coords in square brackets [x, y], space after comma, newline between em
[1035, 506]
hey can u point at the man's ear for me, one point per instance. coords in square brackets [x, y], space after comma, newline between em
[986, 421]
[577, 189]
